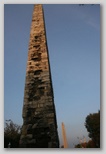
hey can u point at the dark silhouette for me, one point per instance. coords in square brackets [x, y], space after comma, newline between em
[11, 134]
[92, 123]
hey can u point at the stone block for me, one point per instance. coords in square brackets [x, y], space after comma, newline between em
[29, 136]
[34, 126]
[32, 141]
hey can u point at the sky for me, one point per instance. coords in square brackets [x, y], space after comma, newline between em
[73, 38]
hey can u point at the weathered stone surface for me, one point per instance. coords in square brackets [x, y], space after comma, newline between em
[39, 119]
[31, 142]
[29, 136]
[34, 126]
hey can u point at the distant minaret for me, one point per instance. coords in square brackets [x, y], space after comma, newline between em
[64, 136]
[39, 128]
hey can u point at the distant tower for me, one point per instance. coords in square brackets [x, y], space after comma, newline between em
[64, 136]
[39, 128]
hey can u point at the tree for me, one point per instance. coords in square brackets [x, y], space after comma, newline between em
[88, 144]
[11, 134]
[78, 146]
[92, 123]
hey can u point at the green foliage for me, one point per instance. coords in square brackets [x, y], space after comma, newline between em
[92, 123]
[11, 134]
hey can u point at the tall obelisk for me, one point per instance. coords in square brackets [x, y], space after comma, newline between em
[39, 128]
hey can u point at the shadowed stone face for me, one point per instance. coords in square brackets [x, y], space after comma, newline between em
[39, 120]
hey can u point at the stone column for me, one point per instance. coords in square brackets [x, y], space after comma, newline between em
[39, 128]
